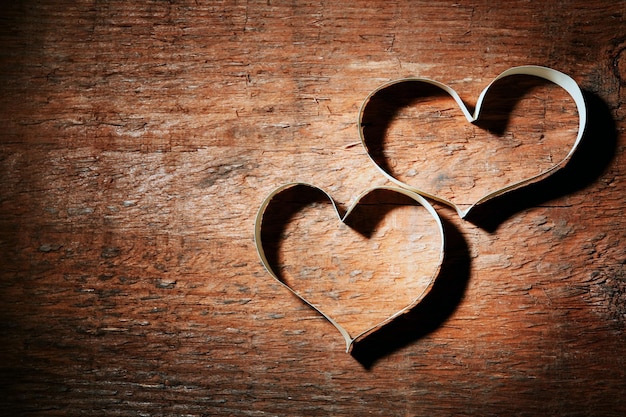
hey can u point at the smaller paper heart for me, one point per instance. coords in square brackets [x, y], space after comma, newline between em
[359, 270]
[458, 164]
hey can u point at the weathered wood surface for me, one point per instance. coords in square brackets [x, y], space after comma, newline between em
[139, 138]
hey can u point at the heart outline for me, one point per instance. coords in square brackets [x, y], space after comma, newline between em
[562, 80]
[350, 340]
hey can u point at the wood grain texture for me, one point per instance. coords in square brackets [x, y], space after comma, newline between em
[139, 138]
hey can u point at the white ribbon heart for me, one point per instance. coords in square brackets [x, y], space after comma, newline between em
[558, 78]
[349, 339]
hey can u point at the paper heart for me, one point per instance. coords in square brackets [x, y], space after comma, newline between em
[556, 77]
[362, 203]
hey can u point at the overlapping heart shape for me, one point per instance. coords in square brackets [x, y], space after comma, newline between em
[416, 192]
[423, 287]
[556, 77]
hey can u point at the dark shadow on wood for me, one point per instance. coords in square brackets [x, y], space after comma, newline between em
[501, 99]
[384, 106]
[372, 209]
[435, 308]
[595, 152]
[279, 213]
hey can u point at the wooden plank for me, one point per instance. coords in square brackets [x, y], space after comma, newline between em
[139, 140]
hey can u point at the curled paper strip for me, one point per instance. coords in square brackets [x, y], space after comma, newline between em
[556, 77]
[349, 339]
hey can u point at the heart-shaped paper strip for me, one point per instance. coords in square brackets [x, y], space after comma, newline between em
[349, 339]
[558, 78]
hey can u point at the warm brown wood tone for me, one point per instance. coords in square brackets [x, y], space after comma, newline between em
[139, 138]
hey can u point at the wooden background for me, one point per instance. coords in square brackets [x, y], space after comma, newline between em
[138, 140]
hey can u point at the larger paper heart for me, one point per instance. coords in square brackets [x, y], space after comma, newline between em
[359, 270]
[442, 157]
